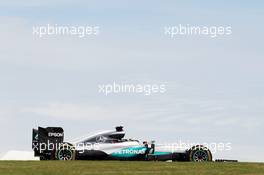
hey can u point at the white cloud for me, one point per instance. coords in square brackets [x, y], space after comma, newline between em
[91, 112]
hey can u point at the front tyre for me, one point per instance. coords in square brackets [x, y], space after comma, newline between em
[200, 153]
[66, 152]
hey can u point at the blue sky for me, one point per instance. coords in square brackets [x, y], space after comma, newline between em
[214, 86]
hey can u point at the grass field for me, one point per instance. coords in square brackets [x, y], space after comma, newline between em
[123, 167]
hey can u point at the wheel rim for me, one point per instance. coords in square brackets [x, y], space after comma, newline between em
[65, 154]
[200, 155]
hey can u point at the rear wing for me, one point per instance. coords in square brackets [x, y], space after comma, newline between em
[46, 140]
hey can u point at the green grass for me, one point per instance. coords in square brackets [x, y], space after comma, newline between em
[124, 167]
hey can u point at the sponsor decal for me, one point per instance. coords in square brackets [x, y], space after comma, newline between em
[130, 152]
[55, 134]
[101, 139]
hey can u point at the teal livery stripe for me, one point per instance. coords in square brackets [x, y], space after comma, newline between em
[157, 153]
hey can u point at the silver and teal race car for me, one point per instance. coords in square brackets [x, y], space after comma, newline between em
[48, 144]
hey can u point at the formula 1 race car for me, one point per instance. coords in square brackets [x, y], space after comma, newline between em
[48, 144]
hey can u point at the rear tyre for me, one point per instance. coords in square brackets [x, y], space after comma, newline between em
[65, 152]
[42, 158]
[200, 153]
